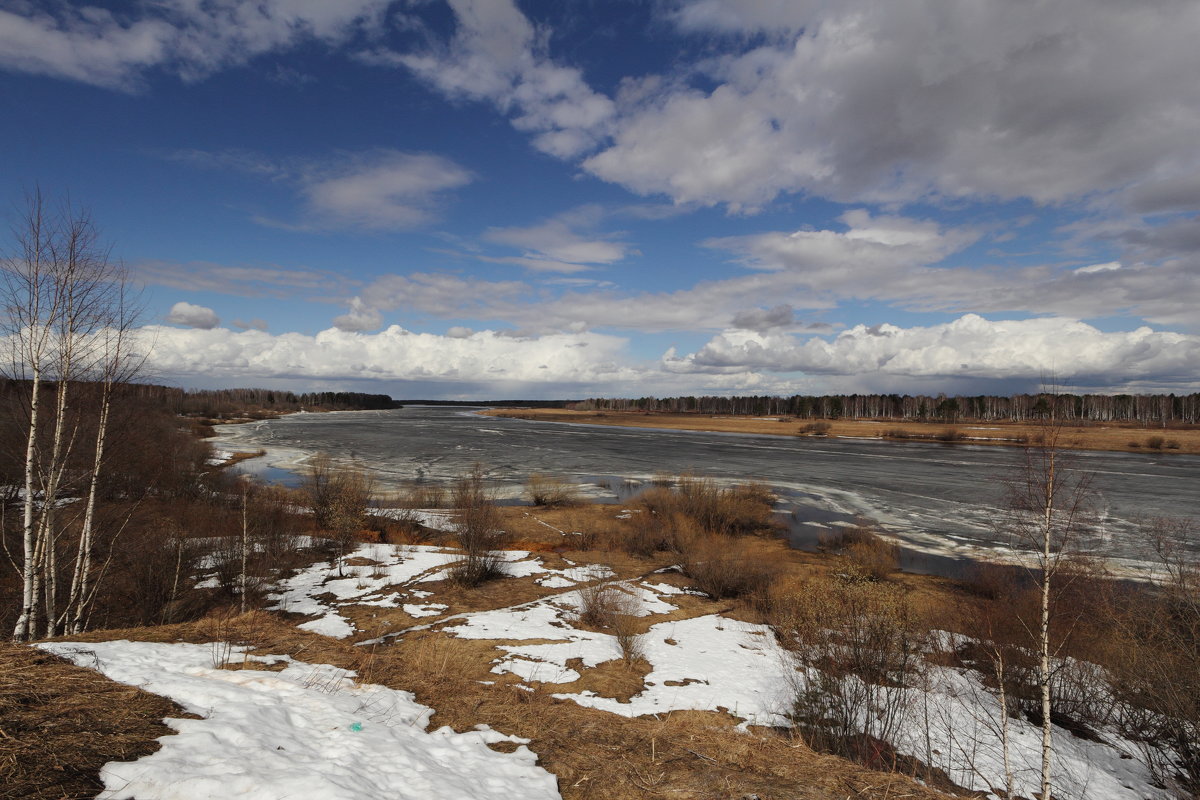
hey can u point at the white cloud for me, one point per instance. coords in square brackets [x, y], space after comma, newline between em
[1070, 351]
[764, 319]
[256, 323]
[115, 48]
[894, 102]
[378, 189]
[1108, 266]
[497, 55]
[460, 364]
[359, 317]
[244, 281]
[393, 354]
[382, 189]
[566, 243]
[183, 313]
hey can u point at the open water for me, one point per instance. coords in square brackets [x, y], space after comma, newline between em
[941, 501]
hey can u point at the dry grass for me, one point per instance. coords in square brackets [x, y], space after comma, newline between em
[1114, 436]
[60, 723]
[594, 754]
[866, 554]
[723, 568]
[600, 756]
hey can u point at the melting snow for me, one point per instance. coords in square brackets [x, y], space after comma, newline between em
[305, 732]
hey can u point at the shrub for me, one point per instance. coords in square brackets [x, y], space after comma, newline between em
[857, 636]
[629, 639]
[339, 499]
[478, 531]
[820, 428]
[606, 606]
[645, 533]
[868, 556]
[550, 491]
[723, 568]
[598, 605]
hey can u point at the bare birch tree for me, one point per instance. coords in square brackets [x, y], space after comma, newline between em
[66, 325]
[1047, 513]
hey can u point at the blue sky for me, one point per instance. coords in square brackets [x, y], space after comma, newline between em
[480, 198]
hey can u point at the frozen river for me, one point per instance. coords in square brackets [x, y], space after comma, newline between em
[935, 498]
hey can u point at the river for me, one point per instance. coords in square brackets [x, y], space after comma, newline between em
[940, 501]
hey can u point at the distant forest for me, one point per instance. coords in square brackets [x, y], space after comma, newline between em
[1147, 409]
[235, 402]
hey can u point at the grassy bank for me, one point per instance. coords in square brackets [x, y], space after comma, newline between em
[1113, 438]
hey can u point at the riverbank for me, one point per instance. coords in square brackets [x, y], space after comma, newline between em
[1110, 438]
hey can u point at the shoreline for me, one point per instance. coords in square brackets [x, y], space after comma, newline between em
[1111, 438]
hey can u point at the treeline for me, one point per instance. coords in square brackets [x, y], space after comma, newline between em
[493, 403]
[1148, 409]
[238, 402]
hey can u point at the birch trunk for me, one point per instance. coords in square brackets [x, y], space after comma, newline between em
[28, 592]
[81, 576]
[1044, 632]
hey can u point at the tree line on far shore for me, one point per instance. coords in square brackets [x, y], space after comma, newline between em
[1147, 409]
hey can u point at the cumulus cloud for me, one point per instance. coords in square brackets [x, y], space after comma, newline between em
[899, 101]
[498, 56]
[969, 347]
[764, 319]
[392, 354]
[183, 313]
[360, 317]
[114, 49]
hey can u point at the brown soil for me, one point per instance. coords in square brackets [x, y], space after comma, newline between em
[1114, 437]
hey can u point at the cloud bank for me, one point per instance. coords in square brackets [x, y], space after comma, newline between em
[1035, 350]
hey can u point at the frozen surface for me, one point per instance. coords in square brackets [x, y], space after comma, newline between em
[306, 732]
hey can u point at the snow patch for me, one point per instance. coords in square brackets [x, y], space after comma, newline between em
[306, 732]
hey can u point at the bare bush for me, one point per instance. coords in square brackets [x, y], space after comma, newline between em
[606, 606]
[551, 491]
[721, 567]
[629, 639]
[819, 428]
[599, 604]
[858, 639]
[339, 499]
[1156, 672]
[478, 531]
[646, 532]
[735, 510]
[867, 555]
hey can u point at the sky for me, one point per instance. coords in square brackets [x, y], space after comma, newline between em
[571, 198]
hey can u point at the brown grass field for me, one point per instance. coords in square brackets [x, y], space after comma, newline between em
[1114, 437]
